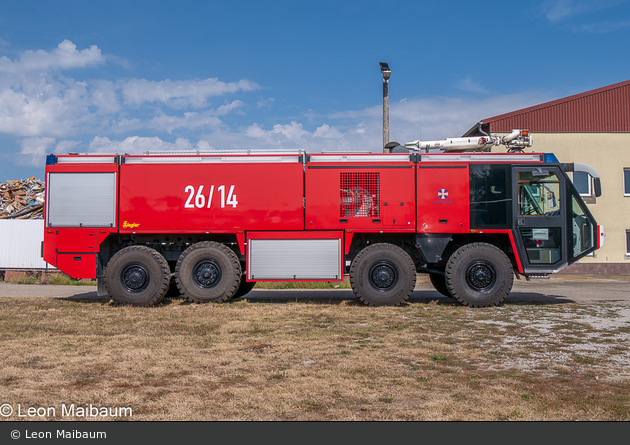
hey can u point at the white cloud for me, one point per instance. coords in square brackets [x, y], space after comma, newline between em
[37, 101]
[559, 10]
[435, 118]
[328, 132]
[138, 145]
[103, 97]
[265, 102]
[228, 108]
[65, 56]
[65, 147]
[470, 85]
[190, 120]
[41, 107]
[603, 27]
[34, 150]
[43, 113]
[189, 92]
[292, 131]
[432, 118]
[255, 131]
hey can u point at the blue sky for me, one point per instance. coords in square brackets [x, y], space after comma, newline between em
[128, 76]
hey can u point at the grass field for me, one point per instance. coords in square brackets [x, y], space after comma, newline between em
[316, 360]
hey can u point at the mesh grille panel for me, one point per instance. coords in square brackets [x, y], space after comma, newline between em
[359, 194]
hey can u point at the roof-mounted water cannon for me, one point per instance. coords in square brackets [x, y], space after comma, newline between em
[516, 141]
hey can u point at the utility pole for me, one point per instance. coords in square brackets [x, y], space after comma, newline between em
[386, 73]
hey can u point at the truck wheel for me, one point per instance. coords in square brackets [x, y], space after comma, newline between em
[383, 275]
[439, 283]
[244, 288]
[137, 276]
[208, 272]
[479, 275]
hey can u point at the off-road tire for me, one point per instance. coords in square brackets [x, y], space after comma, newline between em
[137, 276]
[208, 272]
[383, 275]
[244, 288]
[439, 283]
[479, 275]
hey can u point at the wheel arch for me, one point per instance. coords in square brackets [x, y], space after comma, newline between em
[500, 240]
[361, 240]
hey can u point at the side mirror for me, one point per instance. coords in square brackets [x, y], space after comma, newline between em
[597, 185]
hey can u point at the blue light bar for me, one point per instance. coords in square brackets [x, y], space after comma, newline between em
[50, 160]
[550, 157]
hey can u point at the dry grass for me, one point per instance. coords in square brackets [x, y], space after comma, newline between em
[318, 360]
[344, 284]
[35, 277]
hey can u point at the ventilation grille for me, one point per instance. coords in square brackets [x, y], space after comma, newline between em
[360, 194]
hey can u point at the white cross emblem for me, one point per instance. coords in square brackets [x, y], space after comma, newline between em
[443, 194]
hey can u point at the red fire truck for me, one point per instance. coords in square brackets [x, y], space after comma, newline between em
[214, 223]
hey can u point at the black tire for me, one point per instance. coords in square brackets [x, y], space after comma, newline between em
[244, 288]
[383, 275]
[439, 283]
[137, 276]
[479, 275]
[208, 272]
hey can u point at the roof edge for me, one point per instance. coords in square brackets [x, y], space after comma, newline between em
[473, 131]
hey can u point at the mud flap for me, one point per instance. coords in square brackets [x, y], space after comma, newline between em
[432, 245]
[100, 287]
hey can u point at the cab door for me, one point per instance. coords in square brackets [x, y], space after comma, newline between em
[540, 229]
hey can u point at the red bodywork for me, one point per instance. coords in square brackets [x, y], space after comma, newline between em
[190, 195]
[211, 197]
[339, 197]
[443, 199]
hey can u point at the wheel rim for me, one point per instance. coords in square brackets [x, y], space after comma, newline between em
[481, 276]
[383, 276]
[135, 278]
[207, 274]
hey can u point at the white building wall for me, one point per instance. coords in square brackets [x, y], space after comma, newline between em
[21, 244]
[609, 154]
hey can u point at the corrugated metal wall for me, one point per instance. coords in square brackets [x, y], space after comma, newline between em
[20, 244]
[602, 110]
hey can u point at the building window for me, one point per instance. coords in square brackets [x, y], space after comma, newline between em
[626, 181]
[582, 182]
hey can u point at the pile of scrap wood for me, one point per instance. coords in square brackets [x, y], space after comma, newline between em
[22, 199]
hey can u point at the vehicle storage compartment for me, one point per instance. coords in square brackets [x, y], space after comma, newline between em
[81, 209]
[443, 198]
[369, 192]
[203, 193]
[77, 265]
[294, 256]
[85, 199]
[72, 240]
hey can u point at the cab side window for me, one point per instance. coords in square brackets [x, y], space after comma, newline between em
[490, 196]
[538, 194]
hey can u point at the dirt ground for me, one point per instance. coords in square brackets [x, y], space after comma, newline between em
[556, 349]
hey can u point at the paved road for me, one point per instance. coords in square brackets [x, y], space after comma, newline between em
[556, 290]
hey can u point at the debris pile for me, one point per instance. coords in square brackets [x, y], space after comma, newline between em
[22, 199]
